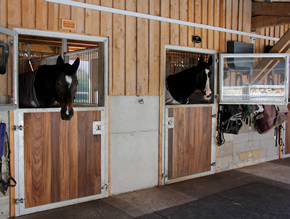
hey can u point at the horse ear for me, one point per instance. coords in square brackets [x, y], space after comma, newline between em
[210, 60]
[76, 64]
[59, 61]
[200, 60]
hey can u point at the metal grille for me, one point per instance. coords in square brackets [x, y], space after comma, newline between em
[177, 61]
[88, 77]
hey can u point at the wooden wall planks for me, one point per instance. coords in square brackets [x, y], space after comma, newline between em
[136, 46]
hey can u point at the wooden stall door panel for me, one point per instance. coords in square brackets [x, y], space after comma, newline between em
[189, 142]
[62, 159]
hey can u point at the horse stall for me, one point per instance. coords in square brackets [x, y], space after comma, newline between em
[62, 162]
[189, 129]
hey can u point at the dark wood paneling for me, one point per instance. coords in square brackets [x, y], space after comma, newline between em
[62, 159]
[189, 141]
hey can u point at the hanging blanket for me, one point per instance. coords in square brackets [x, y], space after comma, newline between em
[27, 96]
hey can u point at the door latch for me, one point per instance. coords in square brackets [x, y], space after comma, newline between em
[97, 127]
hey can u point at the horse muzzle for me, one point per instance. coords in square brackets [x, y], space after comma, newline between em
[207, 95]
[66, 113]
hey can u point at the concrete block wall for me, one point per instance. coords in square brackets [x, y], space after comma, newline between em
[247, 148]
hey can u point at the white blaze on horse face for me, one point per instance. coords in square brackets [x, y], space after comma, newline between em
[207, 90]
[67, 111]
[68, 80]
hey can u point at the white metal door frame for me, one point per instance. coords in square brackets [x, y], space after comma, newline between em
[165, 124]
[19, 134]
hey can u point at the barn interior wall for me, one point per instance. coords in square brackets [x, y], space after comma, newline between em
[247, 148]
[136, 45]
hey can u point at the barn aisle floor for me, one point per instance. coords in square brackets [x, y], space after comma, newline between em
[259, 191]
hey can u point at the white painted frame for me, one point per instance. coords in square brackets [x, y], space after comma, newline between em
[19, 135]
[252, 55]
[165, 108]
[158, 18]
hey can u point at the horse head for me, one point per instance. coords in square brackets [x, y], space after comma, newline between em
[66, 86]
[204, 77]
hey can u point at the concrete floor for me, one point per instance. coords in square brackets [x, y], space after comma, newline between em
[150, 203]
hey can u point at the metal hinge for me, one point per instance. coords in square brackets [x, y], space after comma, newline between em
[18, 127]
[217, 60]
[105, 187]
[214, 116]
[213, 164]
[19, 200]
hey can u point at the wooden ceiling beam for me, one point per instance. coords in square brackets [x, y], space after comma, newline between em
[269, 14]
[268, 21]
[270, 9]
[262, 69]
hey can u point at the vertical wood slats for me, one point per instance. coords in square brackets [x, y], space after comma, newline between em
[119, 50]
[189, 142]
[154, 49]
[61, 162]
[136, 72]
[142, 49]
[131, 49]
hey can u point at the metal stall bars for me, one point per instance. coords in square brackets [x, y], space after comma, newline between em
[90, 79]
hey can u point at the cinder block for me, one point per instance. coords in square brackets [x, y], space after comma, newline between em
[255, 136]
[225, 150]
[243, 156]
[256, 153]
[224, 163]
[241, 138]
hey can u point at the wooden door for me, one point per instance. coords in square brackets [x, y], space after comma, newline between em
[189, 142]
[62, 159]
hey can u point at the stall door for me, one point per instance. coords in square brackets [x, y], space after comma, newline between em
[62, 160]
[189, 139]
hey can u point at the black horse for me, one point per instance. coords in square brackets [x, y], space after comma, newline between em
[49, 85]
[180, 86]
